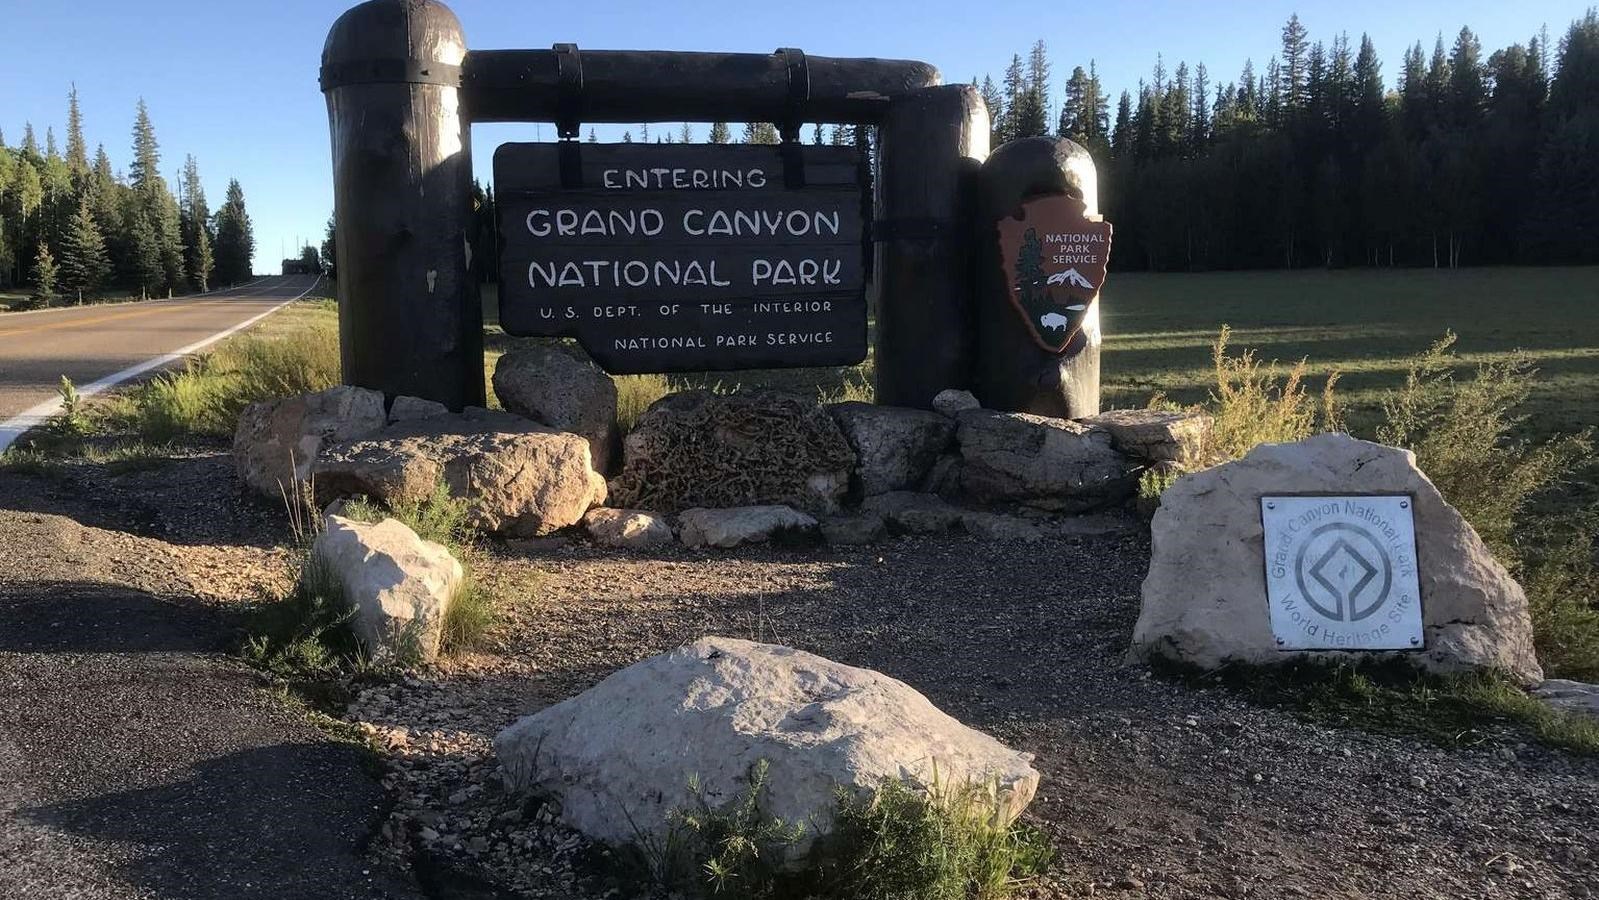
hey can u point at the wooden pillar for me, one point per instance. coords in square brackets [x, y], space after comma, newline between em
[930, 145]
[409, 318]
[1012, 372]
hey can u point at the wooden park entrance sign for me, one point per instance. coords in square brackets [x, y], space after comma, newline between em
[673, 257]
[655, 257]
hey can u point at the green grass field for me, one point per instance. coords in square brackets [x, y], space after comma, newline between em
[1364, 323]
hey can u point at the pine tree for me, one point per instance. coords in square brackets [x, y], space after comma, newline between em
[593, 138]
[817, 138]
[145, 172]
[627, 137]
[84, 264]
[719, 133]
[644, 133]
[77, 151]
[995, 101]
[1014, 86]
[760, 133]
[194, 227]
[1292, 71]
[44, 276]
[50, 152]
[235, 239]
[685, 135]
[1468, 94]
[30, 144]
[144, 255]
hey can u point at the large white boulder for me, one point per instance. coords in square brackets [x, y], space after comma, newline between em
[1204, 600]
[400, 585]
[277, 442]
[620, 755]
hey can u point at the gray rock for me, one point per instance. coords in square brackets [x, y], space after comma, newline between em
[742, 525]
[632, 528]
[277, 441]
[860, 528]
[1577, 697]
[619, 756]
[995, 527]
[1155, 436]
[551, 385]
[944, 478]
[409, 409]
[698, 449]
[951, 402]
[1039, 461]
[520, 478]
[1204, 600]
[895, 447]
[400, 585]
[910, 512]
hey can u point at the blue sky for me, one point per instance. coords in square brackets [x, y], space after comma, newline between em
[234, 83]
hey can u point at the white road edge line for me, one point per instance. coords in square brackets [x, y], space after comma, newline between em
[17, 426]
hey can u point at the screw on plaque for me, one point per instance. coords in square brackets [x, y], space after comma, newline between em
[1404, 504]
[1270, 505]
[1281, 641]
[1415, 640]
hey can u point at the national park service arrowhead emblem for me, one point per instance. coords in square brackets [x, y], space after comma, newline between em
[1055, 257]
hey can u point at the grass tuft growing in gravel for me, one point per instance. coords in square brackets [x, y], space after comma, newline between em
[1395, 698]
[944, 843]
[442, 518]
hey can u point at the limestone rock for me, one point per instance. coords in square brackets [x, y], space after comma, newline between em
[1577, 697]
[551, 385]
[620, 754]
[909, 512]
[995, 527]
[1154, 436]
[409, 409]
[520, 478]
[277, 441]
[951, 402]
[1039, 461]
[698, 449]
[742, 525]
[895, 447]
[1204, 600]
[400, 585]
[633, 528]
[859, 528]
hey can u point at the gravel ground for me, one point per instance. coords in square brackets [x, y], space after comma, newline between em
[1151, 787]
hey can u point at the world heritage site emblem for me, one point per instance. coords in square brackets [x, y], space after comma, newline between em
[1341, 572]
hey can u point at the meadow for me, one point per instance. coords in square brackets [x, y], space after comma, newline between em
[1366, 324]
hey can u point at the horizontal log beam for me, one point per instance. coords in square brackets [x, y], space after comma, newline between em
[624, 86]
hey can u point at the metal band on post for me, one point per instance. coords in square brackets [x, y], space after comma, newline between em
[798, 73]
[569, 112]
[388, 71]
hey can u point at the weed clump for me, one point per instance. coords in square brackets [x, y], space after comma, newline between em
[947, 842]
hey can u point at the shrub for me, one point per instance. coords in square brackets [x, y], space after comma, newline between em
[1461, 432]
[306, 634]
[635, 393]
[945, 843]
[1252, 403]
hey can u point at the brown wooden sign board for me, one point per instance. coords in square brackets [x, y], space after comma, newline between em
[1055, 257]
[673, 257]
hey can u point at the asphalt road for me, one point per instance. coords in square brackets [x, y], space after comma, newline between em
[98, 346]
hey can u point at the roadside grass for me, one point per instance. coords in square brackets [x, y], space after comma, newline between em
[1396, 698]
[293, 351]
[945, 843]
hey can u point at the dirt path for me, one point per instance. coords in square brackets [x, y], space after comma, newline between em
[1152, 788]
[136, 759]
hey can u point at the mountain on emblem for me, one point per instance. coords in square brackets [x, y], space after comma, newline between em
[1071, 277]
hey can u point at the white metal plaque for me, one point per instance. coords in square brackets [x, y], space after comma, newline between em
[1341, 572]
